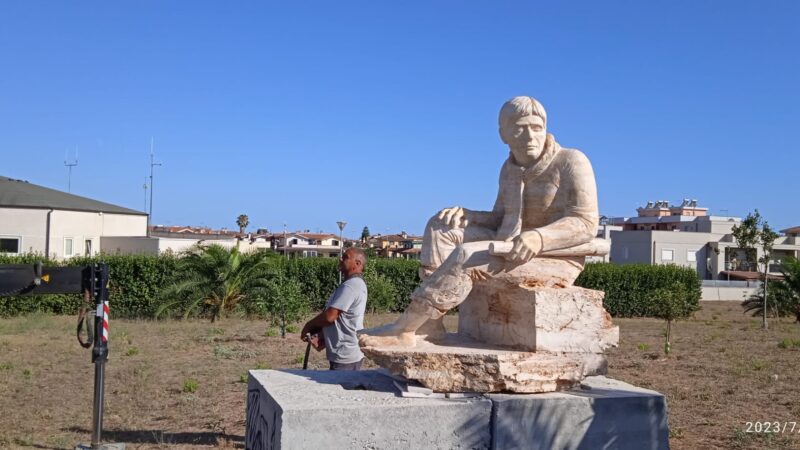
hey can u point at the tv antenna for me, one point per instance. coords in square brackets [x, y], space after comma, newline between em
[70, 165]
[152, 165]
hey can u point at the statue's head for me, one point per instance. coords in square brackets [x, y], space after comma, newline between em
[523, 127]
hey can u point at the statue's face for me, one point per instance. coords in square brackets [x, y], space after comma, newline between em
[525, 138]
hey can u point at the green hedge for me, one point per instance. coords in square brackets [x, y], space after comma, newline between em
[301, 286]
[630, 288]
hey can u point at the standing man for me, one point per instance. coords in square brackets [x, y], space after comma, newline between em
[343, 315]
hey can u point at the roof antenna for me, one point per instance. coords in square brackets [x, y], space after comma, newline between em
[70, 164]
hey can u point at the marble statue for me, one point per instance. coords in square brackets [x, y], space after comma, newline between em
[546, 209]
[523, 326]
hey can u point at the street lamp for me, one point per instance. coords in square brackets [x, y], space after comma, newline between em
[341, 225]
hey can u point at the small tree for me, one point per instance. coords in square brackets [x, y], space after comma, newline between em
[754, 230]
[242, 221]
[365, 235]
[671, 304]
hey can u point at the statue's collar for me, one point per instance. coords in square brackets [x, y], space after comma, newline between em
[551, 147]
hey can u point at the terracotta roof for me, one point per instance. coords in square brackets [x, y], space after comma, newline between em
[792, 230]
[317, 236]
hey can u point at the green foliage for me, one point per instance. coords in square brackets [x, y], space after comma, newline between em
[784, 343]
[213, 280]
[783, 295]
[672, 303]
[242, 222]
[142, 285]
[630, 289]
[190, 385]
[132, 351]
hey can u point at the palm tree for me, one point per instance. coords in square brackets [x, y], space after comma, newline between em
[242, 221]
[213, 280]
[784, 295]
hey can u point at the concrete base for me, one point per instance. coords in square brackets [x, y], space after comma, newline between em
[603, 414]
[355, 410]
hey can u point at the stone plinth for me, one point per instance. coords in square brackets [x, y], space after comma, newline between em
[604, 413]
[361, 410]
[510, 313]
[353, 410]
[456, 364]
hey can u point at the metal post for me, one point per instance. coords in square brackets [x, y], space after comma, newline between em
[341, 224]
[100, 350]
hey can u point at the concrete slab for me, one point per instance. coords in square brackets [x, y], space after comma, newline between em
[603, 414]
[363, 410]
[354, 410]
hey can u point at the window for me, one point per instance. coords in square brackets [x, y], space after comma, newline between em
[10, 244]
[87, 247]
[294, 241]
[308, 253]
[68, 251]
[691, 255]
[335, 242]
[667, 255]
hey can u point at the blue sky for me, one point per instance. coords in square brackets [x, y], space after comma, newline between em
[382, 113]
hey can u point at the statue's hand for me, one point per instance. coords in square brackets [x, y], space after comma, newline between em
[526, 246]
[455, 217]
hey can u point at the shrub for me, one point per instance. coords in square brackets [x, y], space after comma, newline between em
[629, 289]
[190, 385]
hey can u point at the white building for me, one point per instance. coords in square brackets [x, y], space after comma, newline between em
[36, 219]
[304, 245]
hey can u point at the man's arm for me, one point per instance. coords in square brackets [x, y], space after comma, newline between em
[322, 320]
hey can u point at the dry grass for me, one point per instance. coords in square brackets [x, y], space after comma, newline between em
[179, 384]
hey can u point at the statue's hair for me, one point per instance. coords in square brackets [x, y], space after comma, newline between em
[520, 107]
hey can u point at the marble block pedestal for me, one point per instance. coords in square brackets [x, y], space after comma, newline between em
[512, 337]
[297, 409]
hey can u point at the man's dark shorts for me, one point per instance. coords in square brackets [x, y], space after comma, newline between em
[350, 366]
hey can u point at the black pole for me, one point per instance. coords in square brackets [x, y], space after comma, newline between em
[100, 351]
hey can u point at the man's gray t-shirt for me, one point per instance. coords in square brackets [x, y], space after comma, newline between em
[341, 341]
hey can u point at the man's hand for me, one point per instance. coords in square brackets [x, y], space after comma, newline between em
[455, 217]
[526, 246]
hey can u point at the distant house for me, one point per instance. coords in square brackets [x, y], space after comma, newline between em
[400, 245]
[305, 245]
[36, 219]
[686, 235]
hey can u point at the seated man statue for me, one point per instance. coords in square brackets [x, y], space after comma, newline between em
[546, 204]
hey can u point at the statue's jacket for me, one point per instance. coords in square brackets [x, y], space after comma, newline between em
[556, 197]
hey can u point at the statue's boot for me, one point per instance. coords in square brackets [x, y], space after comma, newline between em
[403, 331]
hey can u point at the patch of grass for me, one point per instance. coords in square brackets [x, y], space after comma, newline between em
[221, 351]
[299, 359]
[292, 328]
[216, 332]
[271, 332]
[6, 366]
[263, 366]
[190, 385]
[789, 343]
[132, 351]
[244, 377]
[642, 347]
[27, 373]
[759, 365]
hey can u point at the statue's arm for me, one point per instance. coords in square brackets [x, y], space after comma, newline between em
[579, 222]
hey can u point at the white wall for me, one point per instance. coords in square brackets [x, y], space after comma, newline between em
[31, 225]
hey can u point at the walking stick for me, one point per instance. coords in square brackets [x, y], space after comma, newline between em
[308, 350]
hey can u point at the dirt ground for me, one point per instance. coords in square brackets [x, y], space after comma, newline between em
[181, 384]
